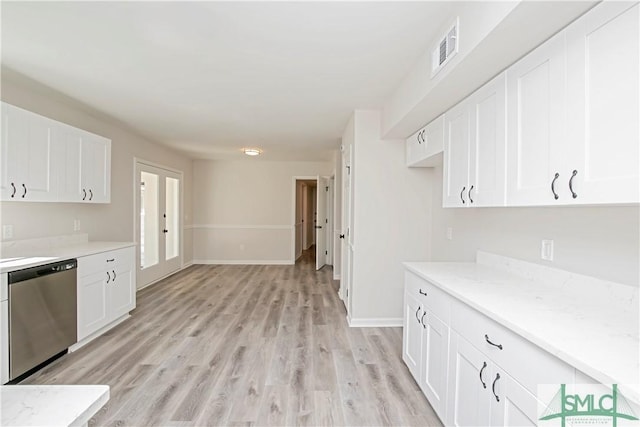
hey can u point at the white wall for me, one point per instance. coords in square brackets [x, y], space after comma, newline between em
[599, 241]
[111, 222]
[391, 222]
[490, 39]
[244, 210]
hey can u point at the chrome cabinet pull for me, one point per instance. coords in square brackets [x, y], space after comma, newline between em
[462, 194]
[493, 387]
[114, 275]
[486, 337]
[90, 194]
[470, 199]
[573, 175]
[108, 277]
[84, 194]
[484, 365]
[553, 186]
[25, 190]
[14, 190]
[422, 320]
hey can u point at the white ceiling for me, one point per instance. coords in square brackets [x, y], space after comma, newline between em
[212, 77]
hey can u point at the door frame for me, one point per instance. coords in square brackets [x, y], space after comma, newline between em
[136, 214]
[294, 179]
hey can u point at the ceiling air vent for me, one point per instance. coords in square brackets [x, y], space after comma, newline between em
[446, 48]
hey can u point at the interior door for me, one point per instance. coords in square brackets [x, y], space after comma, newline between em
[321, 222]
[159, 225]
[346, 236]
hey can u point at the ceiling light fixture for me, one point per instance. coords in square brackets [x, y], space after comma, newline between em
[251, 151]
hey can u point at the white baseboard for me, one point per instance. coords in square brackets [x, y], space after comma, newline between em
[146, 285]
[336, 276]
[96, 334]
[244, 261]
[383, 322]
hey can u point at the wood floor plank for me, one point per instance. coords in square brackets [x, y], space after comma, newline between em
[246, 345]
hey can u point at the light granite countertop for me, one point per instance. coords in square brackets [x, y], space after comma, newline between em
[50, 405]
[24, 254]
[591, 324]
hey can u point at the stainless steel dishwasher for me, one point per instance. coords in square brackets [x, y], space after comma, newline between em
[42, 314]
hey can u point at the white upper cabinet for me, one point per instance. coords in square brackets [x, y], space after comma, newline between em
[535, 122]
[603, 137]
[28, 167]
[474, 160]
[423, 147]
[45, 160]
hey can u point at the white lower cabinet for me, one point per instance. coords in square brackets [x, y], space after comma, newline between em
[473, 371]
[106, 289]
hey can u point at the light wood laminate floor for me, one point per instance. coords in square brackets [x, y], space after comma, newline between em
[246, 345]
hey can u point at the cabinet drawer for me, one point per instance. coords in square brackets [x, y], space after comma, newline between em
[105, 261]
[527, 363]
[433, 298]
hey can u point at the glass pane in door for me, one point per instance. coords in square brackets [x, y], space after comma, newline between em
[172, 213]
[149, 220]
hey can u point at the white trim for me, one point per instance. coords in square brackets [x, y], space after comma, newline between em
[242, 227]
[86, 340]
[244, 261]
[383, 322]
[146, 285]
[336, 276]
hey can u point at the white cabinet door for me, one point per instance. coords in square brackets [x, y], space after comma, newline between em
[93, 312]
[486, 186]
[456, 156]
[415, 147]
[69, 152]
[121, 290]
[435, 361]
[536, 117]
[434, 134]
[27, 156]
[603, 93]
[512, 405]
[96, 168]
[412, 340]
[470, 374]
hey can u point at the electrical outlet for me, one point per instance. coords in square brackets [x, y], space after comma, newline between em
[449, 233]
[547, 250]
[7, 231]
[76, 225]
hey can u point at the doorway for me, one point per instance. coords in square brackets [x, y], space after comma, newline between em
[158, 222]
[312, 214]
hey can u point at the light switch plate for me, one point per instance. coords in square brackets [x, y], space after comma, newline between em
[547, 250]
[76, 225]
[449, 233]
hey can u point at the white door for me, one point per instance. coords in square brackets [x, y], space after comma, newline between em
[456, 156]
[511, 403]
[603, 95]
[536, 117]
[159, 225]
[487, 154]
[322, 222]
[435, 352]
[347, 235]
[470, 376]
[412, 330]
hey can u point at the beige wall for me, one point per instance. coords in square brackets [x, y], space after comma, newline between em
[392, 224]
[244, 209]
[602, 241]
[113, 221]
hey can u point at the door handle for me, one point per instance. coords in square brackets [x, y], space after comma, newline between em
[108, 277]
[342, 236]
[165, 231]
[318, 226]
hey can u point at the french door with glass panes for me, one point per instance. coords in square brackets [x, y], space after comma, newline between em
[158, 206]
